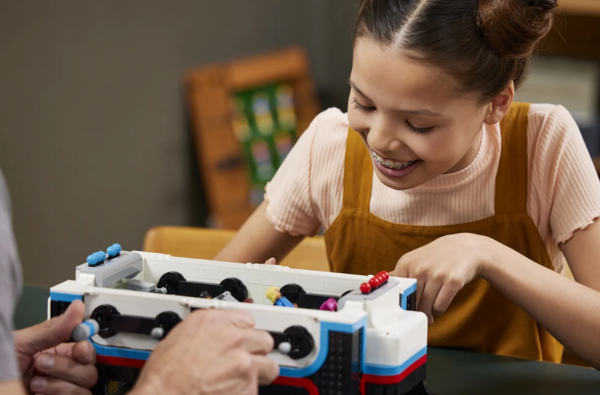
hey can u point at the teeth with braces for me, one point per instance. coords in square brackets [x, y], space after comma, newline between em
[391, 165]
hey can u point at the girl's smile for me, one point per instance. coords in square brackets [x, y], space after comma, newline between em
[394, 169]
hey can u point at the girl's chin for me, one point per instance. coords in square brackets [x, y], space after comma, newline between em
[399, 184]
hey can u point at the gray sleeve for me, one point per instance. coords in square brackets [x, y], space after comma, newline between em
[10, 286]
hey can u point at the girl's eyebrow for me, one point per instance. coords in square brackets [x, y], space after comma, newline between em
[410, 112]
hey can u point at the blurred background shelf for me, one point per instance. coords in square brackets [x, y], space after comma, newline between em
[584, 7]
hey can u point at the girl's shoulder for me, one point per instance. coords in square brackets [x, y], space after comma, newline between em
[331, 122]
[328, 132]
[562, 177]
[549, 119]
[551, 130]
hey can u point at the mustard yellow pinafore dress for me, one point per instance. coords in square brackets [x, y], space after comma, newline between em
[480, 318]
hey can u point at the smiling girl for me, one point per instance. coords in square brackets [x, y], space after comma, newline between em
[435, 174]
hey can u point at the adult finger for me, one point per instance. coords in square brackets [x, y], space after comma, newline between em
[258, 342]
[65, 368]
[82, 352]
[52, 386]
[444, 298]
[214, 317]
[268, 370]
[241, 319]
[50, 333]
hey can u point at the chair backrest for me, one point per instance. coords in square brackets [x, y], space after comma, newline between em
[245, 116]
[202, 243]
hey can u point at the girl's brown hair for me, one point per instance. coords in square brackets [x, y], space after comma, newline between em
[485, 44]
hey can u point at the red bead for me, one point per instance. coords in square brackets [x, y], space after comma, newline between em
[374, 283]
[387, 276]
[380, 278]
[365, 288]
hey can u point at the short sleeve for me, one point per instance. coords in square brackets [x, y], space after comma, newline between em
[10, 284]
[563, 175]
[290, 207]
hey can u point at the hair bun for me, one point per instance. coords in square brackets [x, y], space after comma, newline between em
[514, 27]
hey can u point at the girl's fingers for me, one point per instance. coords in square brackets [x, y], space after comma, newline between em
[271, 261]
[401, 269]
[431, 290]
[444, 298]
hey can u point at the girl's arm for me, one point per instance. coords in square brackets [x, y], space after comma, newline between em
[568, 310]
[258, 240]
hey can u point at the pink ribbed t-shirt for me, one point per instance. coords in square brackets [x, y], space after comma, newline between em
[564, 191]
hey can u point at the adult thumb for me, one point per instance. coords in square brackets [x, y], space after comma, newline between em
[50, 333]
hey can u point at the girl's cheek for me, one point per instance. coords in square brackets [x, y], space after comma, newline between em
[357, 121]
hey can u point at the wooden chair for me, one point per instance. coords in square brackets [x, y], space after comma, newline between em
[210, 93]
[204, 243]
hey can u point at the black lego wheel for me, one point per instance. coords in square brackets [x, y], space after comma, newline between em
[236, 287]
[292, 292]
[103, 315]
[168, 320]
[170, 281]
[301, 340]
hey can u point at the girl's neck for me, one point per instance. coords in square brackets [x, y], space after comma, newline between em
[468, 158]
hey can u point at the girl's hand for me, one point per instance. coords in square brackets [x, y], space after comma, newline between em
[442, 268]
[271, 261]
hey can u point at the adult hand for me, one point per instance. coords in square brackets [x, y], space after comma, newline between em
[212, 352]
[50, 366]
[442, 268]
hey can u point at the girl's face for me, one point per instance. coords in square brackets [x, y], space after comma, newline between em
[410, 116]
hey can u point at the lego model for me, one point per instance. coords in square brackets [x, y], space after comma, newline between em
[345, 334]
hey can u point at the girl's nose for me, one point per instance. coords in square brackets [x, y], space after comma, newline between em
[384, 139]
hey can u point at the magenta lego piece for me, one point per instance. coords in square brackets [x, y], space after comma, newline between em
[329, 305]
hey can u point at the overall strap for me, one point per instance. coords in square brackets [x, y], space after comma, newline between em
[511, 180]
[358, 174]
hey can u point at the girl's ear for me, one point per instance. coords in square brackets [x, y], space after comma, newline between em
[499, 107]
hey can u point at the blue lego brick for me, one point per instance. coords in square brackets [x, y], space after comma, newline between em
[62, 297]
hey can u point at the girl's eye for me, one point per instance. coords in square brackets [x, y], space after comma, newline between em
[360, 107]
[418, 130]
